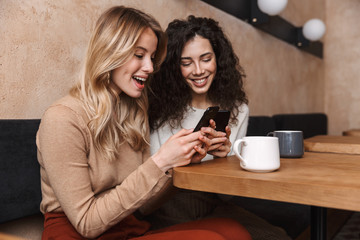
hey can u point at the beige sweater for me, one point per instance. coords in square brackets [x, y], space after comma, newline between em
[95, 194]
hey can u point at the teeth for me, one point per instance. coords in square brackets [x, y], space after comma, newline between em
[200, 81]
[140, 79]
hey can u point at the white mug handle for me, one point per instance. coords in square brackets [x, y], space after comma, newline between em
[270, 134]
[237, 150]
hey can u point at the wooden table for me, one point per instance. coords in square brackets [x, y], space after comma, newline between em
[5, 236]
[352, 132]
[324, 180]
[333, 144]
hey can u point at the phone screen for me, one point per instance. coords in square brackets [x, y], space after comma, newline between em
[210, 113]
[222, 120]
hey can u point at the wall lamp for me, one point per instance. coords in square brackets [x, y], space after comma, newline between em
[272, 7]
[263, 14]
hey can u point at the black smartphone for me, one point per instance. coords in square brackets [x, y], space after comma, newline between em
[210, 113]
[222, 120]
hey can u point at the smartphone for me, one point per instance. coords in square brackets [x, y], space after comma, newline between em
[210, 113]
[222, 120]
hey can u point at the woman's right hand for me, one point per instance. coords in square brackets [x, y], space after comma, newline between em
[179, 149]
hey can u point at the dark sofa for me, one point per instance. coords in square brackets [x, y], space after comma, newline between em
[20, 175]
[20, 179]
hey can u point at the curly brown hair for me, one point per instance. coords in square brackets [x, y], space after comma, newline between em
[170, 95]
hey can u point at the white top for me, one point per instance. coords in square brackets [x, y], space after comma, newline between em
[159, 137]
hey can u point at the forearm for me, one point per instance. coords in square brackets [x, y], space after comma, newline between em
[163, 196]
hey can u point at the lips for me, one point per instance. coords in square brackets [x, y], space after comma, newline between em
[139, 82]
[200, 82]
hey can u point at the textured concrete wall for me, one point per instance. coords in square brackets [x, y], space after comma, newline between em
[342, 65]
[43, 43]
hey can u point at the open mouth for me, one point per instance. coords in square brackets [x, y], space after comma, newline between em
[139, 80]
[200, 82]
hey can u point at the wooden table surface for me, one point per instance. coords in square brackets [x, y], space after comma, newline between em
[352, 132]
[317, 179]
[333, 144]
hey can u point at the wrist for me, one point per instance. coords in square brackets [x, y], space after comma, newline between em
[160, 162]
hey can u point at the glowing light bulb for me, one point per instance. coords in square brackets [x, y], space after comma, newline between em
[272, 7]
[314, 29]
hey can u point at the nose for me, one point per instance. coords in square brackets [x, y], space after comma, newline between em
[197, 69]
[148, 66]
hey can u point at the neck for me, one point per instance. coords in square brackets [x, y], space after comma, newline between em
[201, 102]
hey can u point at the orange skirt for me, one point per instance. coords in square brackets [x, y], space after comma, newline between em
[58, 227]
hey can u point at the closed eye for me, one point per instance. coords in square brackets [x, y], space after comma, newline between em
[185, 64]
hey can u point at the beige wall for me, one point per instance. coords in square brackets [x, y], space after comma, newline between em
[342, 65]
[43, 43]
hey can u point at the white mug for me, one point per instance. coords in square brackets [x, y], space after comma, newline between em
[258, 154]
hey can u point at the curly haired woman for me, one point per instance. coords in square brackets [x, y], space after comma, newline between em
[97, 175]
[200, 70]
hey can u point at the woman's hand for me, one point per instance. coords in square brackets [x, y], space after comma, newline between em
[202, 149]
[180, 148]
[220, 146]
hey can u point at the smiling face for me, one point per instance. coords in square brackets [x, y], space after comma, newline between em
[198, 65]
[131, 77]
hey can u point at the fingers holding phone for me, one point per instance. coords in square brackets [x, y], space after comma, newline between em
[202, 149]
[181, 149]
[219, 148]
[214, 123]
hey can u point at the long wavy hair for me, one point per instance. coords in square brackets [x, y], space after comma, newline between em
[116, 118]
[170, 94]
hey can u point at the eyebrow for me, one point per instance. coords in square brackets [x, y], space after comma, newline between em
[202, 55]
[141, 48]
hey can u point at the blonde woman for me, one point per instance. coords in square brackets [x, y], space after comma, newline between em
[96, 170]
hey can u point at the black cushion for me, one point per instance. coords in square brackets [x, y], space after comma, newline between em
[20, 191]
[260, 125]
[311, 124]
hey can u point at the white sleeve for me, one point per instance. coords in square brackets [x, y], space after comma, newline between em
[239, 131]
[243, 119]
[155, 142]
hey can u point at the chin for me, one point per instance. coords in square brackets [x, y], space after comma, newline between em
[134, 94]
[202, 90]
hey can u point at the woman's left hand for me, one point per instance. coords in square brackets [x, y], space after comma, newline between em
[220, 147]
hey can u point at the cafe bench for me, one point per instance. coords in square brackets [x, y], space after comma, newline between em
[20, 175]
[20, 192]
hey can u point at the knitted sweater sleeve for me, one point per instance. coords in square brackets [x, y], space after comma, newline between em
[64, 149]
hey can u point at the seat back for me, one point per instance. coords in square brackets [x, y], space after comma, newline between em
[20, 191]
[311, 124]
[260, 125]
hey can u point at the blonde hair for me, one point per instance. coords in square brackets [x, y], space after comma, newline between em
[116, 118]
